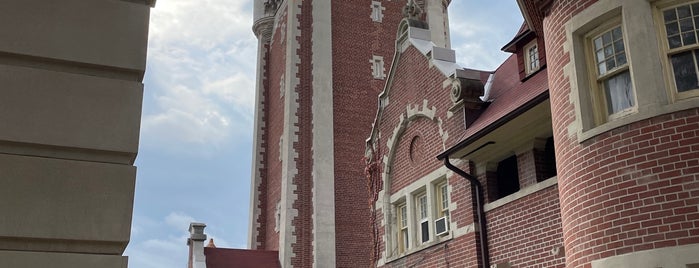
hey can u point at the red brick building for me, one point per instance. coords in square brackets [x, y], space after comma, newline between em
[580, 150]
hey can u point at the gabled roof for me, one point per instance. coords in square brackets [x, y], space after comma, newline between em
[508, 98]
[240, 258]
[523, 33]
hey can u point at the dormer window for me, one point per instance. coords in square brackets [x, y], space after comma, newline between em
[531, 57]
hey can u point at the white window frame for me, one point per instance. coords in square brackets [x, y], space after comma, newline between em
[528, 68]
[598, 77]
[660, 8]
[425, 188]
[422, 213]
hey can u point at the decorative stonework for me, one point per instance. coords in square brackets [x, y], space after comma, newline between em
[271, 6]
[412, 10]
[281, 86]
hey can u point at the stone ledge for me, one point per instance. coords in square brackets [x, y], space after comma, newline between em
[521, 193]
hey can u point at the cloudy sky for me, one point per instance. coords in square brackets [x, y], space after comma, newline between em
[196, 132]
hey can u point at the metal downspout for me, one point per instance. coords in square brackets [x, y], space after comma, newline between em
[482, 225]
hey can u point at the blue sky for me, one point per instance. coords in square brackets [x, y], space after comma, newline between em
[196, 128]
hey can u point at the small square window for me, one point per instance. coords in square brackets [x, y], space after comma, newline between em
[531, 56]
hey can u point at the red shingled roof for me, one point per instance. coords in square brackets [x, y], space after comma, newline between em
[508, 93]
[240, 258]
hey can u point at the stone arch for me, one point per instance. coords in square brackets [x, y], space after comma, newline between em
[413, 112]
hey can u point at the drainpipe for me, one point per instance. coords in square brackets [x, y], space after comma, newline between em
[478, 188]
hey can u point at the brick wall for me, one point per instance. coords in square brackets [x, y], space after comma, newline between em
[356, 38]
[302, 223]
[414, 82]
[524, 232]
[273, 129]
[629, 189]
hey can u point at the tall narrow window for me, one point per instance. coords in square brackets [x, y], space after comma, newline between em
[376, 11]
[613, 76]
[443, 200]
[681, 25]
[377, 67]
[531, 56]
[423, 220]
[402, 228]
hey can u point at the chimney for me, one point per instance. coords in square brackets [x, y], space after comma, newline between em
[196, 245]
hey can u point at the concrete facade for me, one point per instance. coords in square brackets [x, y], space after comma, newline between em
[71, 108]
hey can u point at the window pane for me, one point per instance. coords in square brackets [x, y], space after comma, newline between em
[619, 46]
[616, 33]
[602, 68]
[683, 12]
[619, 93]
[611, 64]
[607, 38]
[686, 25]
[674, 41]
[608, 51]
[621, 59]
[670, 15]
[598, 43]
[685, 73]
[689, 38]
[425, 231]
[672, 28]
[423, 207]
[445, 198]
[695, 9]
[600, 56]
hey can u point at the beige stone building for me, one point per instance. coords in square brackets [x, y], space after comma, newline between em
[70, 109]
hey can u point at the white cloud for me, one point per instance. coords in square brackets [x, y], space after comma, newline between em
[478, 36]
[200, 80]
[178, 219]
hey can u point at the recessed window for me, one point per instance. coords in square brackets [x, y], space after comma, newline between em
[422, 220]
[681, 25]
[531, 55]
[507, 177]
[376, 11]
[421, 213]
[402, 227]
[443, 200]
[377, 68]
[614, 93]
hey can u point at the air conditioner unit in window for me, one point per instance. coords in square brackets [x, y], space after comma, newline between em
[441, 226]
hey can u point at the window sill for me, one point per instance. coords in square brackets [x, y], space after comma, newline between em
[642, 114]
[521, 194]
[428, 244]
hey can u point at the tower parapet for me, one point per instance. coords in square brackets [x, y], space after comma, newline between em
[263, 17]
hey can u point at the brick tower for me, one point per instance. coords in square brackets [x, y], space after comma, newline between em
[625, 124]
[321, 65]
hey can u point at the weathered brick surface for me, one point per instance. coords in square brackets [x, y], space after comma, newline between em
[629, 189]
[356, 38]
[413, 83]
[303, 225]
[273, 128]
[524, 232]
